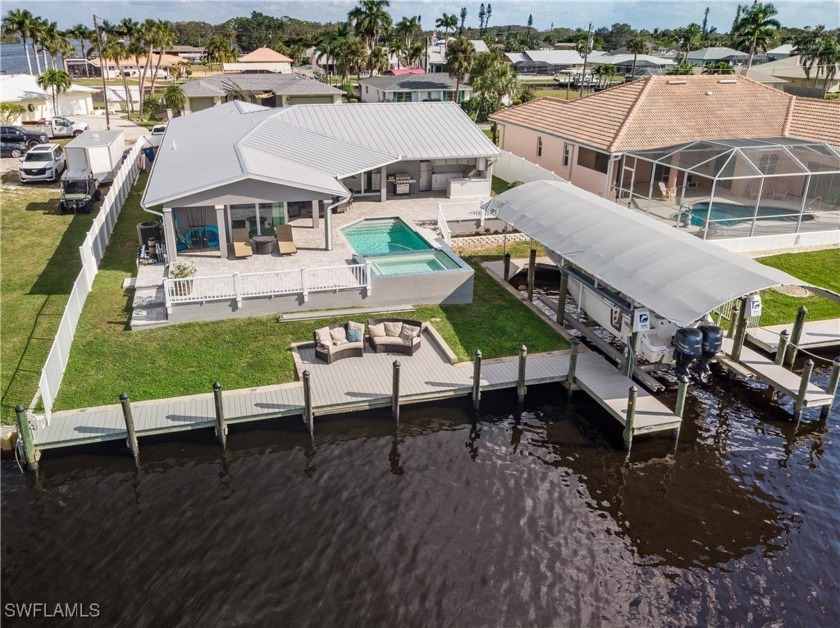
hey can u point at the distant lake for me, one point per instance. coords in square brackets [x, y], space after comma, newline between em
[13, 59]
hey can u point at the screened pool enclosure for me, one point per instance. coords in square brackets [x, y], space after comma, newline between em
[736, 188]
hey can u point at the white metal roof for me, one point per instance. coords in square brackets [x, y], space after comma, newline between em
[673, 273]
[317, 143]
[94, 138]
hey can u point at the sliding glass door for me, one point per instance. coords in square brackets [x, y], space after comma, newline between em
[258, 219]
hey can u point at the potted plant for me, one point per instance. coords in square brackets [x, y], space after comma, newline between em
[181, 270]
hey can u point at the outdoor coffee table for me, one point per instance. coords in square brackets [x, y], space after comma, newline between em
[263, 244]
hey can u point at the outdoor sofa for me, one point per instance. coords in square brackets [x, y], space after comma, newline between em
[337, 342]
[394, 335]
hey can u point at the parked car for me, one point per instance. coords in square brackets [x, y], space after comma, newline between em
[22, 137]
[11, 150]
[44, 162]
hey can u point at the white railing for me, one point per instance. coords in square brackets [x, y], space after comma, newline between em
[456, 212]
[241, 286]
[91, 252]
[512, 168]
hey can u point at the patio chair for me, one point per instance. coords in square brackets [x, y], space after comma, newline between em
[666, 193]
[285, 240]
[241, 246]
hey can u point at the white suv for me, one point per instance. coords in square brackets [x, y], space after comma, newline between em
[44, 162]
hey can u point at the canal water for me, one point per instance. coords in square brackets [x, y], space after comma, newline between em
[521, 519]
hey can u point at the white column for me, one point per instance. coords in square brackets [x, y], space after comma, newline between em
[169, 234]
[316, 210]
[327, 228]
[222, 226]
[383, 183]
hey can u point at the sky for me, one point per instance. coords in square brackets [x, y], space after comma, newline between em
[568, 13]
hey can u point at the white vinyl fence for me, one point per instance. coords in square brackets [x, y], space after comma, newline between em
[456, 212]
[512, 168]
[91, 252]
[249, 285]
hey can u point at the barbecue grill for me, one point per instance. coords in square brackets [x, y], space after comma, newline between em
[402, 182]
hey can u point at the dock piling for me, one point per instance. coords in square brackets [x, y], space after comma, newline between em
[682, 391]
[30, 454]
[570, 379]
[561, 297]
[796, 334]
[781, 350]
[520, 382]
[221, 428]
[733, 319]
[631, 416]
[831, 389]
[507, 266]
[131, 440]
[476, 391]
[395, 396]
[307, 403]
[532, 273]
[740, 331]
[799, 406]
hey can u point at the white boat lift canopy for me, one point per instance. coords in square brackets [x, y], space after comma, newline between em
[676, 275]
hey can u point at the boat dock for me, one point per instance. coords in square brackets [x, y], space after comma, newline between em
[358, 384]
[752, 364]
[815, 335]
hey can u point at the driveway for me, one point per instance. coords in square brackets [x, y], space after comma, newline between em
[130, 130]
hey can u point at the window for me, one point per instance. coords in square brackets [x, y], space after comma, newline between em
[448, 95]
[367, 89]
[539, 146]
[593, 160]
[402, 97]
[567, 155]
[768, 163]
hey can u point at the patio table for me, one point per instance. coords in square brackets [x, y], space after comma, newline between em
[263, 244]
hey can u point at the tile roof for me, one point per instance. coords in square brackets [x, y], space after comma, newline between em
[814, 119]
[264, 55]
[665, 110]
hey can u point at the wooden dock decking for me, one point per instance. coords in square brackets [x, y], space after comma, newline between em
[771, 373]
[358, 384]
[815, 334]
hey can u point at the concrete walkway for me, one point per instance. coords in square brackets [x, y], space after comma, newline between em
[131, 131]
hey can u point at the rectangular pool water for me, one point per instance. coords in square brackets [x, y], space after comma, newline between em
[412, 263]
[379, 236]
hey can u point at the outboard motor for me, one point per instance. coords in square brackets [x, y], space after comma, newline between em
[688, 346]
[712, 343]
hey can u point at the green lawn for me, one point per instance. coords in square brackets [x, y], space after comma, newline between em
[40, 261]
[184, 359]
[818, 267]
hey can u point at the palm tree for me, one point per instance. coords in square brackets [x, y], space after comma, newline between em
[377, 61]
[327, 44]
[721, 67]
[460, 55]
[446, 22]
[606, 73]
[755, 28]
[82, 34]
[371, 20]
[173, 97]
[36, 33]
[415, 54]
[115, 50]
[351, 57]
[688, 38]
[166, 38]
[807, 46]
[56, 80]
[408, 28]
[398, 48]
[20, 22]
[148, 34]
[496, 82]
[220, 51]
[638, 45]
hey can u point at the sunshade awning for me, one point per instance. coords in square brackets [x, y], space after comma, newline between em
[671, 272]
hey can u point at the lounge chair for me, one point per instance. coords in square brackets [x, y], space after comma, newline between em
[241, 247]
[666, 193]
[285, 241]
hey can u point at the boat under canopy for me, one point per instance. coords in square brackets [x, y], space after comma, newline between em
[676, 275]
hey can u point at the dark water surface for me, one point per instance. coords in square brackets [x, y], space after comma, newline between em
[535, 520]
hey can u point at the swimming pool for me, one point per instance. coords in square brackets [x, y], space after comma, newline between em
[412, 263]
[379, 236]
[730, 214]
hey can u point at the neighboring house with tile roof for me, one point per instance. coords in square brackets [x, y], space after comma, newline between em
[585, 140]
[412, 88]
[266, 89]
[796, 80]
[260, 60]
